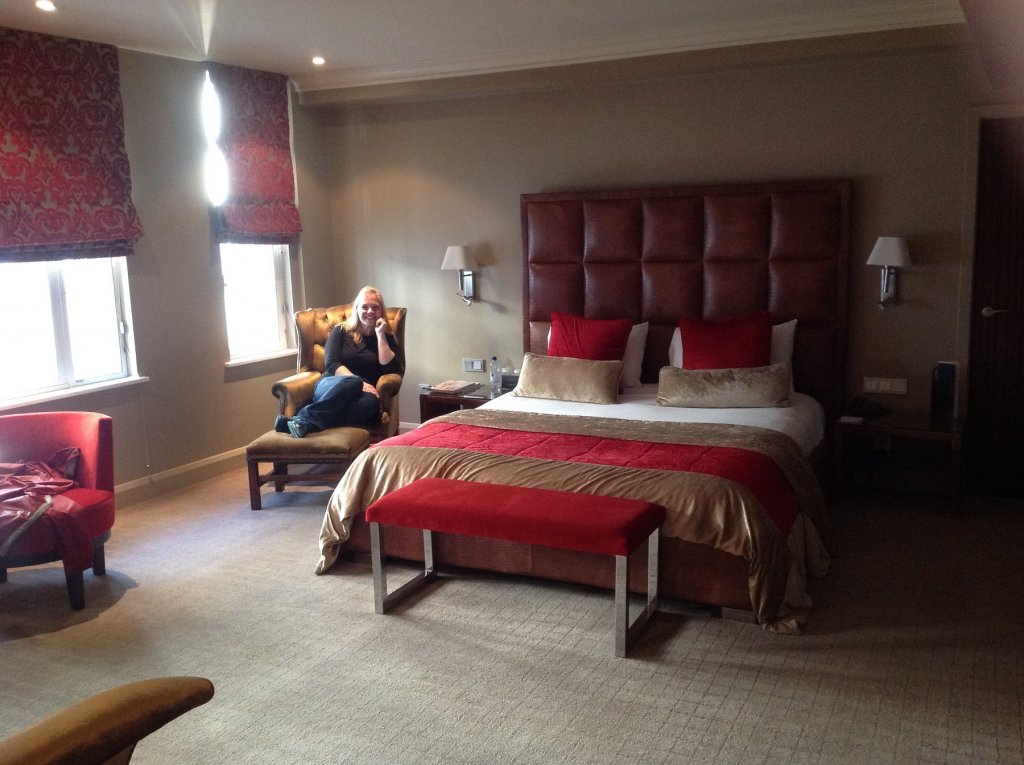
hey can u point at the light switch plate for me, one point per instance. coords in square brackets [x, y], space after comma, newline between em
[472, 365]
[891, 385]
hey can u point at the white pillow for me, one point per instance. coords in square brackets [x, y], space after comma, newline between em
[782, 345]
[633, 359]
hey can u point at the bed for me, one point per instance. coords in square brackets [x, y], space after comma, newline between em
[745, 538]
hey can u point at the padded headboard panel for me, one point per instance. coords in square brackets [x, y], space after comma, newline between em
[655, 255]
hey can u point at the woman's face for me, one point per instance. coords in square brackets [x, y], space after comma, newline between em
[369, 311]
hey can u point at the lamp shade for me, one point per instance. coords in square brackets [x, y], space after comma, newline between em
[890, 251]
[457, 257]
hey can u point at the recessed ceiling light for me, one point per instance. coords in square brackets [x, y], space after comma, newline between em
[45, 5]
[319, 61]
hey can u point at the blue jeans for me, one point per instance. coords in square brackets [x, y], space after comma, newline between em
[339, 402]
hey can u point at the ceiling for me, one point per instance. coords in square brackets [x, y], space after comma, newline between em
[373, 42]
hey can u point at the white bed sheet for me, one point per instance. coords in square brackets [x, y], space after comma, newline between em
[803, 421]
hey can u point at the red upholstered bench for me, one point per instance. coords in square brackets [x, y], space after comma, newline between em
[591, 523]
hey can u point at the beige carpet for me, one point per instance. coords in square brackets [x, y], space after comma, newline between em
[913, 655]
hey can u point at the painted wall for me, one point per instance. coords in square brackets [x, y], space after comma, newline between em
[412, 178]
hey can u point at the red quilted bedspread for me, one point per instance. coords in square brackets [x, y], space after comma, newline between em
[758, 472]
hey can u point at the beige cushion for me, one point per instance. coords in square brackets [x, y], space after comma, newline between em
[568, 379]
[344, 442]
[725, 388]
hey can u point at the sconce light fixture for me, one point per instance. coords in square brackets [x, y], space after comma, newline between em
[891, 254]
[457, 258]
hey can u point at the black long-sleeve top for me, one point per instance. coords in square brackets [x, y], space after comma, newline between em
[360, 358]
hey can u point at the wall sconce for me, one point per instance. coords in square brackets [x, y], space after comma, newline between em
[891, 254]
[457, 258]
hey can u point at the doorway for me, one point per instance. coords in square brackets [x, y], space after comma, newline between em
[995, 407]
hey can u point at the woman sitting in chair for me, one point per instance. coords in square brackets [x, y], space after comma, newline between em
[357, 353]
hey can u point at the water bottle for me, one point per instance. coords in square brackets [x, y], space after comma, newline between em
[494, 376]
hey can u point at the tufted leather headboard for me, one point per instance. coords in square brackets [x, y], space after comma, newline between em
[704, 251]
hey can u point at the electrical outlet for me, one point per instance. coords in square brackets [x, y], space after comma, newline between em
[472, 365]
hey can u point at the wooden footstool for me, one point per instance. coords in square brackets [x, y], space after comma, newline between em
[334, 446]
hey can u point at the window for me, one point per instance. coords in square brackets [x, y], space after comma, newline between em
[66, 322]
[251, 189]
[257, 299]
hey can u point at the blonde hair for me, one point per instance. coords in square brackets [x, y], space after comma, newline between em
[352, 322]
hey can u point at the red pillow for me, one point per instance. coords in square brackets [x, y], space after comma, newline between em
[727, 343]
[594, 339]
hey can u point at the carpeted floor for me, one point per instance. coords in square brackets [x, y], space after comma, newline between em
[913, 655]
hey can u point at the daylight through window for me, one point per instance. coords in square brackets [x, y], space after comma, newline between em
[66, 322]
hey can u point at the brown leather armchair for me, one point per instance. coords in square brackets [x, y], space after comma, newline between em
[329, 450]
[313, 325]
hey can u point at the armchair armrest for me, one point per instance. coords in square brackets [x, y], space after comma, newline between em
[295, 391]
[388, 386]
[106, 725]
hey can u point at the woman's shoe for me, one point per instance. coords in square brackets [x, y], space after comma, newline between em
[297, 428]
[281, 424]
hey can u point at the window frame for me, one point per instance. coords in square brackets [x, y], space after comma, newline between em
[285, 259]
[68, 383]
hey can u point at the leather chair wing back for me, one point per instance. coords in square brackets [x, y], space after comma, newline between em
[313, 325]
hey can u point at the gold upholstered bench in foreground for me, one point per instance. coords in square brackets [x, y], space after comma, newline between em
[335, 447]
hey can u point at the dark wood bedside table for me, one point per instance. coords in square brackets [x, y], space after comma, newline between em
[435, 404]
[907, 450]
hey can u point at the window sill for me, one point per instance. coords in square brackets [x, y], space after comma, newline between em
[262, 357]
[80, 390]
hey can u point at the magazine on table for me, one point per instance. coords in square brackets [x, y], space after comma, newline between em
[454, 387]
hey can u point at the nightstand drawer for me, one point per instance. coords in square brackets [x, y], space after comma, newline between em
[435, 404]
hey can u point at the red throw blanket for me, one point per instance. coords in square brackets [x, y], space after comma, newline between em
[758, 472]
[23, 488]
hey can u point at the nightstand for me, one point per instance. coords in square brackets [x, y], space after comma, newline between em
[899, 453]
[435, 404]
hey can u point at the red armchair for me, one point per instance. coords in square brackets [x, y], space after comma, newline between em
[36, 437]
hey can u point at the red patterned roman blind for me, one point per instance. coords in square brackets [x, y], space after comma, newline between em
[65, 184]
[256, 141]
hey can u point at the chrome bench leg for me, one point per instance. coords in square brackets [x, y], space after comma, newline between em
[382, 599]
[626, 633]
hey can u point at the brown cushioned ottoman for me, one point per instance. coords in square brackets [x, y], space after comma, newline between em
[335, 446]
